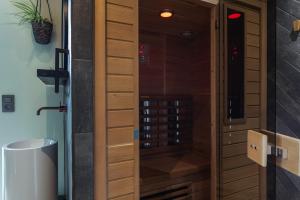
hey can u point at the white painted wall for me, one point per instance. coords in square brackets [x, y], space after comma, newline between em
[20, 56]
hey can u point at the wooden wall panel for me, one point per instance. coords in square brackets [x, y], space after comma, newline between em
[240, 185]
[125, 197]
[120, 136]
[121, 97]
[127, 3]
[252, 63]
[240, 173]
[234, 150]
[120, 187]
[235, 162]
[120, 31]
[121, 170]
[253, 28]
[120, 101]
[117, 66]
[234, 137]
[117, 48]
[120, 153]
[252, 193]
[120, 118]
[118, 83]
[240, 176]
[120, 14]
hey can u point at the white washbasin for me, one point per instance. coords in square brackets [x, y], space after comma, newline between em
[30, 144]
[29, 170]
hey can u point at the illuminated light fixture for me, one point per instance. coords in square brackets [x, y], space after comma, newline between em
[166, 13]
[234, 16]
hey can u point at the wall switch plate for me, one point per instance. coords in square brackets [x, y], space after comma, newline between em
[296, 25]
[257, 147]
[290, 163]
[8, 103]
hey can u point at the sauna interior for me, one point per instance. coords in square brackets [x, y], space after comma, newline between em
[175, 111]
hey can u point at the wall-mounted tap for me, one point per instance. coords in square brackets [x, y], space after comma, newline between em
[59, 108]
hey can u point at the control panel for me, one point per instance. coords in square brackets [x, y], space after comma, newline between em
[8, 103]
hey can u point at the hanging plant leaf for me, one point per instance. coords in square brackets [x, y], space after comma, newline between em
[30, 12]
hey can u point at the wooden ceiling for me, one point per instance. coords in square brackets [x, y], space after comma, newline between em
[187, 17]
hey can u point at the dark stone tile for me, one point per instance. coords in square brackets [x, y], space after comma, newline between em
[83, 171]
[82, 29]
[292, 7]
[284, 19]
[82, 96]
[284, 101]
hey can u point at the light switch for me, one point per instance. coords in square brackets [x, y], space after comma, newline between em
[8, 103]
[257, 147]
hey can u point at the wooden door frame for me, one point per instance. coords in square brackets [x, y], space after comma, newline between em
[261, 6]
[100, 99]
[214, 84]
[100, 137]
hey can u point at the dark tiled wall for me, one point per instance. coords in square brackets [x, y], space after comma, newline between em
[82, 98]
[287, 88]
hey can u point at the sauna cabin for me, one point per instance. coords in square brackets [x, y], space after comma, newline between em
[178, 85]
[174, 100]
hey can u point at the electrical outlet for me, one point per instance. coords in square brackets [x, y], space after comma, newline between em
[257, 147]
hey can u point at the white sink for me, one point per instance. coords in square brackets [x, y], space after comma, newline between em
[29, 170]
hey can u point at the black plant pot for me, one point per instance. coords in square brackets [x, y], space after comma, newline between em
[42, 32]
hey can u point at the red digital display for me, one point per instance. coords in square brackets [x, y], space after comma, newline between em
[234, 16]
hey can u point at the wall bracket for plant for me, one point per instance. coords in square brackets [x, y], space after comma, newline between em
[59, 75]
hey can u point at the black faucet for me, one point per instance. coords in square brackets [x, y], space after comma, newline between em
[59, 108]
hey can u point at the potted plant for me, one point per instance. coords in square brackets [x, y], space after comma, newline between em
[30, 12]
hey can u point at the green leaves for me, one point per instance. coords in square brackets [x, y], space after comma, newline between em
[28, 12]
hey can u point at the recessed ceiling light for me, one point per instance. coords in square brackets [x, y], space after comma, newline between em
[166, 13]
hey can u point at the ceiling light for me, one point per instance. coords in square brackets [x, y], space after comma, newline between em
[166, 13]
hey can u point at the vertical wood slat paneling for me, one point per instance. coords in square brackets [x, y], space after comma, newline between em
[121, 92]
